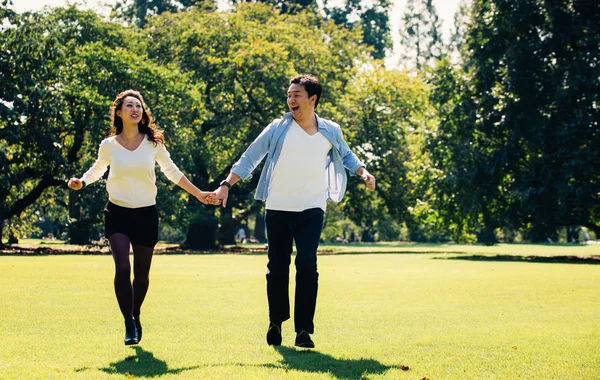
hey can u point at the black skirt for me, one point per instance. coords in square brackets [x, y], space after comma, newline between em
[140, 225]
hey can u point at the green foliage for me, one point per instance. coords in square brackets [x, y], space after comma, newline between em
[244, 60]
[384, 112]
[373, 20]
[518, 130]
[62, 71]
[139, 11]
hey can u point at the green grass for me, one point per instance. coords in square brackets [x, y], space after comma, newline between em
[206, 315]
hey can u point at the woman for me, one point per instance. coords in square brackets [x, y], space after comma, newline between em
[131, 150]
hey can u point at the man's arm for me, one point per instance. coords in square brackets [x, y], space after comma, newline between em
[222, 193]
[367, 177]
[351, 161]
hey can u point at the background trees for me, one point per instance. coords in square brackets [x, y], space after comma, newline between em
[490, 138]
[420, 33]
[527, 108]
[61, 73]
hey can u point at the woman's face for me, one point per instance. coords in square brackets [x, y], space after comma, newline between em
[131, 111]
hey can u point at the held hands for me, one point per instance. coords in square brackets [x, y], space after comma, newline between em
[75, 183]
[221, 195]
[208, 198]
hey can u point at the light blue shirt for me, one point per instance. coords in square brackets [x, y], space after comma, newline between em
[269, 144]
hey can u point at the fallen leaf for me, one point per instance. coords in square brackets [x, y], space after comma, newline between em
[425, 378]
[514, 347]
[129, 375]
[404, 368]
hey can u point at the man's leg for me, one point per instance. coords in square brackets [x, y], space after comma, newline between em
[307, 232]
[280, 240]
[279, 236]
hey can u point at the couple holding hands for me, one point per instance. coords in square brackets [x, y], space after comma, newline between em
[306, 162]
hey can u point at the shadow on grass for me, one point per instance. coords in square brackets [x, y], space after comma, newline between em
[316, 362]
[594, 260]
[143, 364]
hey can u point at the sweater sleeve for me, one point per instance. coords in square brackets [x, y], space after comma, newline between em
[167, 166]
[99, 168]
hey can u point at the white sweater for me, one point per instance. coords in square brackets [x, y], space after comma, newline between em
[132, 179]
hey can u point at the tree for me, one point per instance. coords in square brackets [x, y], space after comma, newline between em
[457, 46]
[138, 11]
[420, 36]
[244, 59]
[373, 21]
[527, 110]
[382, 111]
[62, 71]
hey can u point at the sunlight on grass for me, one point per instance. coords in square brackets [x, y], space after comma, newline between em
[206, 315]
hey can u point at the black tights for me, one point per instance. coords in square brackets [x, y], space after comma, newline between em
[130, 297]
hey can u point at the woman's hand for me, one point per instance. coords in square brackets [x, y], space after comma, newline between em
[75, 183]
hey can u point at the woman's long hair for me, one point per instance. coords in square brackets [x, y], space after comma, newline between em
[144, 126]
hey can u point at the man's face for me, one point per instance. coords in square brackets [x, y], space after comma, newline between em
[300, 104]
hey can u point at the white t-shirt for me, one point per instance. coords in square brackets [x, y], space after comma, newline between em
[299, 180]
[132, 179]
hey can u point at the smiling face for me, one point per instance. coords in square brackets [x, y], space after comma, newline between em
[131, 111]
[301, 105]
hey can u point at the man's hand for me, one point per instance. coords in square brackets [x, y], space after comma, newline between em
[75, 183]
[208, 198]
[368, 178]
[220, 195]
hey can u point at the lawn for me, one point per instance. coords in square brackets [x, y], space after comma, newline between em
[205, 317]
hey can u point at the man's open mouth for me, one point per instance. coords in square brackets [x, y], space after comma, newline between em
[296, 108]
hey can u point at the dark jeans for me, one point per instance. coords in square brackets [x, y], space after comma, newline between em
[284, 227]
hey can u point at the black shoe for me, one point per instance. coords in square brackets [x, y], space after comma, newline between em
[303, 340]
[274, 334]
[131, 335]
[138, 326]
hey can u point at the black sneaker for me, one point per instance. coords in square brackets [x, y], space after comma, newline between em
[131, 335]
[274, 334]
[303, 340]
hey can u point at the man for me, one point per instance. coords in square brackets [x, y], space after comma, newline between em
[304, 168]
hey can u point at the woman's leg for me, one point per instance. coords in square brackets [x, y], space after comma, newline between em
[142, 260]
[119, 246]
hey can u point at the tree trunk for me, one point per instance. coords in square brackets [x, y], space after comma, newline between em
[202, 232]
[227, 229]
[1, 231]
[80, 229]
[543, 233]
[572, 234]
[202, 236]
[259, 227]
[487, 235]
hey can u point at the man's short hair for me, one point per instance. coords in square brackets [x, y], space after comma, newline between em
[311, 85]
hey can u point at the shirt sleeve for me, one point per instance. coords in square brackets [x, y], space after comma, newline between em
[349, 159]
[167, 166]
[250, 159]
[99, 168]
